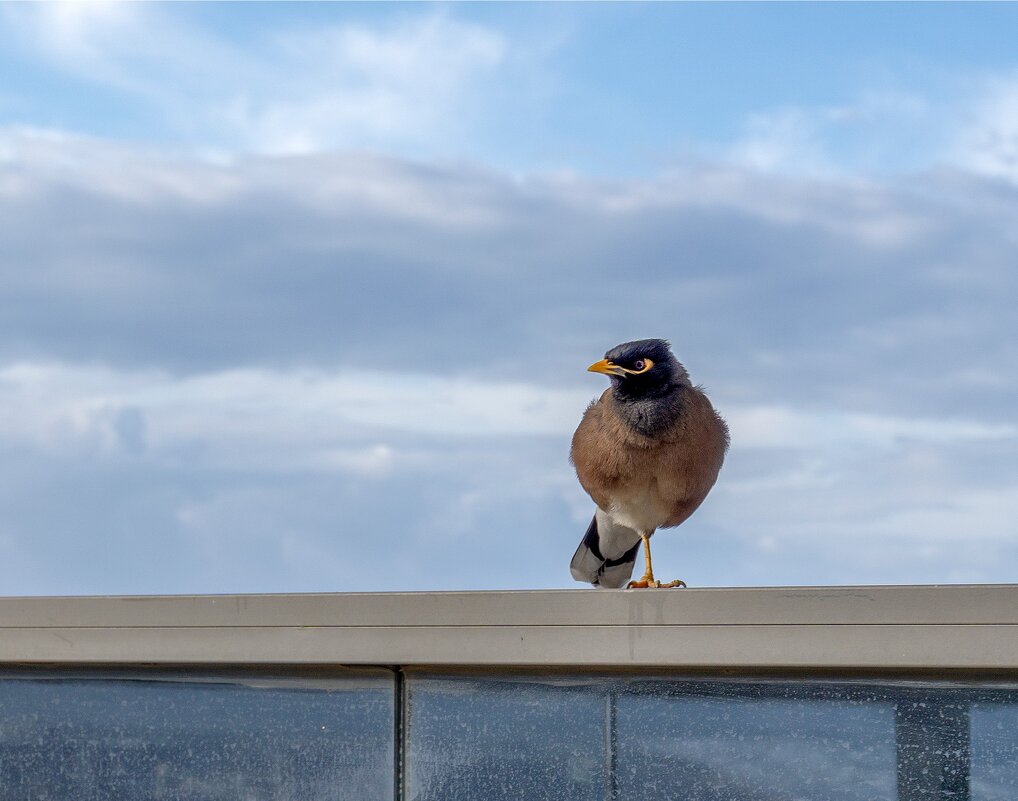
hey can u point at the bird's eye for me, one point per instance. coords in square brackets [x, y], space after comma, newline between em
[639, 367]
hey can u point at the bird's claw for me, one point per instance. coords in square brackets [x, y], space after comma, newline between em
[649, 582]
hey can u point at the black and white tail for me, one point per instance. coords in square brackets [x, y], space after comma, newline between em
[606, 554]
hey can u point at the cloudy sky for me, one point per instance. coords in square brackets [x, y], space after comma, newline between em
[301, 297]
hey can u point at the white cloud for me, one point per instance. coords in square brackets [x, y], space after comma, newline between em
[787, 138]
[409, 83]
[787, 427]
[988, 141]
[303, 419]
[875, 132]
[969, 123]
[360, 86]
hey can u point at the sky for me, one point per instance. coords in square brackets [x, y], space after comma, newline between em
[301, 297]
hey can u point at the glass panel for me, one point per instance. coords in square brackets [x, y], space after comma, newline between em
[487, 740]
[793, 742]
[102, 739]
[932, 729]
[994, 730]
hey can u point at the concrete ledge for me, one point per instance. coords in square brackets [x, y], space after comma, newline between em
[871, 628]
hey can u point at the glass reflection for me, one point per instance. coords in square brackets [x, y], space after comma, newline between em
[750, 744]
[72, 738]
[994, 732]
[476, 740]
[135, 740]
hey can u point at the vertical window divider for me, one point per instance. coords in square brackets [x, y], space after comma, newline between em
[399, 744]
[611, 744]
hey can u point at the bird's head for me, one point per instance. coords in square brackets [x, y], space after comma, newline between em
[640, 369]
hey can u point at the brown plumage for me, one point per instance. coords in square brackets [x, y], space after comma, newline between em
[647, 452]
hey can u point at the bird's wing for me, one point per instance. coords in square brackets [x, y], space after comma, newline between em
[689, 464]
[598, 452]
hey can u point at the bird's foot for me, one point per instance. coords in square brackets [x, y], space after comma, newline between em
[649, 582]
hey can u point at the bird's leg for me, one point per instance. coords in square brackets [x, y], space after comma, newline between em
[648, 579]
[648, 573]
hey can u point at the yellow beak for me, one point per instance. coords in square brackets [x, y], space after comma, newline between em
[606, 367]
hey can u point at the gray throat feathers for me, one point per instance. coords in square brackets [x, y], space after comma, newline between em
[652, 415]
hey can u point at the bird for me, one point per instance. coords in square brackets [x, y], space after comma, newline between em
[647, 452]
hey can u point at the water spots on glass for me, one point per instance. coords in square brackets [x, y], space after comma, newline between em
[505, 736]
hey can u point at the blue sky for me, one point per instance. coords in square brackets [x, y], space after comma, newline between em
[300, 297]
[602, 88]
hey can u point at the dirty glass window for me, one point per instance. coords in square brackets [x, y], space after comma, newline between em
[706, 740]
[994, 733]
[742, 743]
[101, 739]
[932, 732]
[469, 740]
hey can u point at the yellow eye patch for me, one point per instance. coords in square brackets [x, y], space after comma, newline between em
[610, 368]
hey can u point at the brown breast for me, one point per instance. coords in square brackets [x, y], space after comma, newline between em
[680, 463]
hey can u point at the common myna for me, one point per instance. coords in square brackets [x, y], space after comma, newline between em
[647, 451]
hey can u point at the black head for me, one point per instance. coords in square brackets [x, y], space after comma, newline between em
[645, 368]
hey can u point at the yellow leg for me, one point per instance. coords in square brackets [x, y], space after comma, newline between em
[648, 580]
